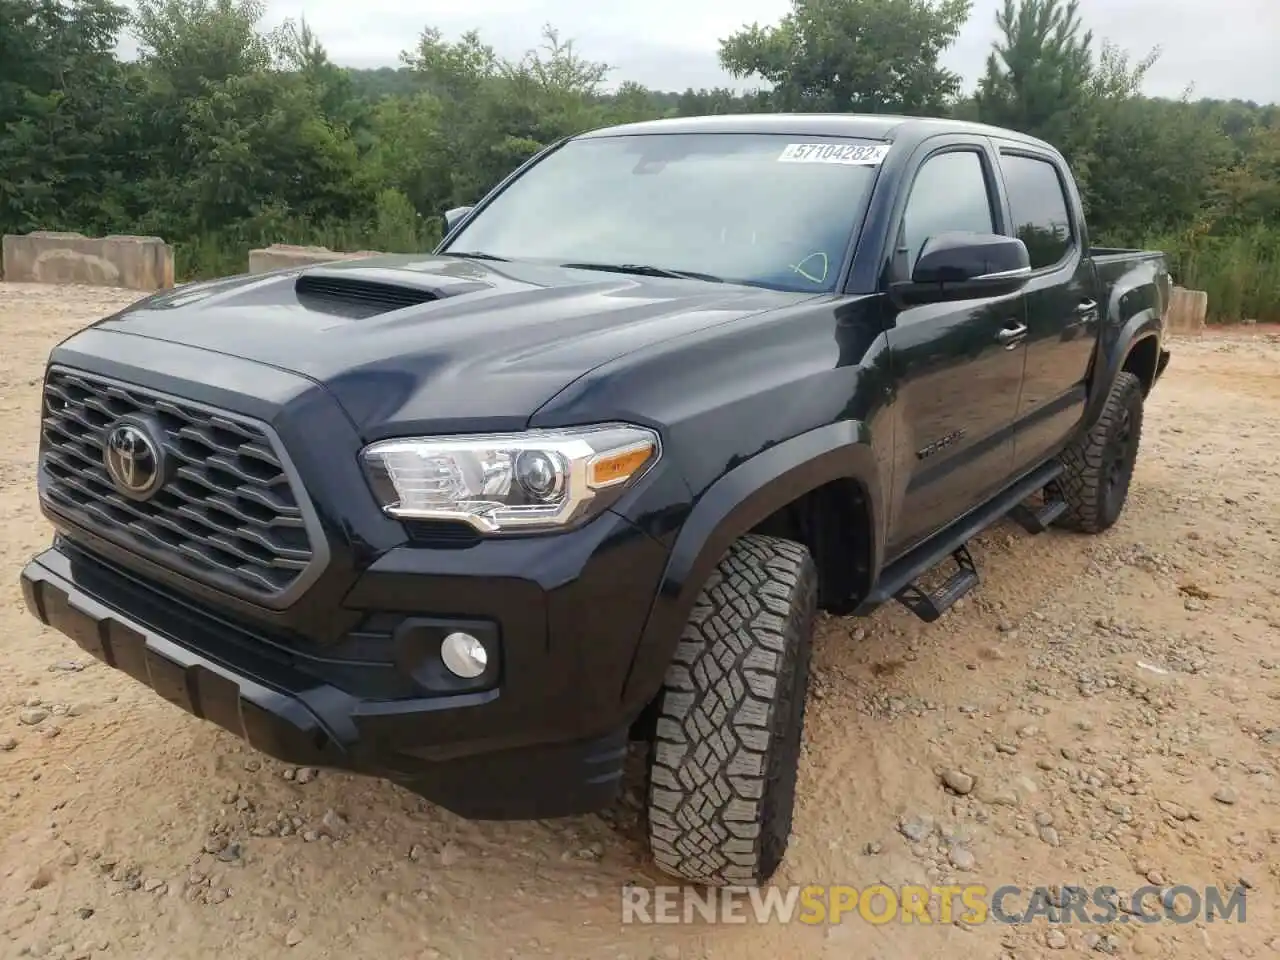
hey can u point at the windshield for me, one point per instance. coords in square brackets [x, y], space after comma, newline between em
[776, 211]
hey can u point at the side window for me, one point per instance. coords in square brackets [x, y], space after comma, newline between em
[1041, 215]
[949, 194]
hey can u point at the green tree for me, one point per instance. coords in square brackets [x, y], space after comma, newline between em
[722, 100]
[455, 71]
[249, 131]
[864, 56]
[66, 127]
[190, 44]
[1248, 192]
[410, 150]
[1038, 72]
[299, 50]
[1044, 79]
[495, 113]
[631, 103]
[263, 136]
[1151, 166]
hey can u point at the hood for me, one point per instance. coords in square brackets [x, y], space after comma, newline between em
[436, 342]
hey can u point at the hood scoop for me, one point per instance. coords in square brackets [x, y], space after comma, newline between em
[360, 292]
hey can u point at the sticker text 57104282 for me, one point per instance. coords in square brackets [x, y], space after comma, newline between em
[853, 154]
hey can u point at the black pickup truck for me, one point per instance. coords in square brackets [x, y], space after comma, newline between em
[473, 520]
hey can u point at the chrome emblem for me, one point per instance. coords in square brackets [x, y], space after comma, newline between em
[132, 460]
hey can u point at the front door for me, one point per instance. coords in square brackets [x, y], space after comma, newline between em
[957, 366]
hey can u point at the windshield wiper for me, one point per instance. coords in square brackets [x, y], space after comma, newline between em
[644, 270]
[475, 255]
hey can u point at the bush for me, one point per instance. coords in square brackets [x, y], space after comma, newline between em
[1241, 273]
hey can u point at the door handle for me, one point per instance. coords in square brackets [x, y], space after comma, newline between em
[1087, 306]
[1011, 335]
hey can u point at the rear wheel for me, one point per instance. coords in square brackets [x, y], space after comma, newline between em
[1099, 466]
[726, 748]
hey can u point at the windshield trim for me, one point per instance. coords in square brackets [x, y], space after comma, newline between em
[858, 215]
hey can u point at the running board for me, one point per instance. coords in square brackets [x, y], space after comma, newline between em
[929, 605]
[903, 571]
[1038, 521]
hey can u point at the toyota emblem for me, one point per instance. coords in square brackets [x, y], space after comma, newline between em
[133, 461]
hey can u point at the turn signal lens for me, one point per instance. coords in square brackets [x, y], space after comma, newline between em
[610, 469]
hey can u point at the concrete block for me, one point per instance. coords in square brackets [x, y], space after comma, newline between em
[281, 256]
[1187, 310]
[134, 263]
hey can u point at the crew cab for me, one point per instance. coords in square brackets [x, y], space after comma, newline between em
[473, 520]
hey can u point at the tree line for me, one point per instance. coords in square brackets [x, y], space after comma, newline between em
[222, 135]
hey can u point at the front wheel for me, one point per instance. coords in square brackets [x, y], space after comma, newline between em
[1099, 466]
[722, 775]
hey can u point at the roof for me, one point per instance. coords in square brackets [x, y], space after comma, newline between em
[886, 127]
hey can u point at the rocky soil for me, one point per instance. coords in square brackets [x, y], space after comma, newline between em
[1103, 711]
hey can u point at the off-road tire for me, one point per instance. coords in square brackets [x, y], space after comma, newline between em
[1099, 466]
[722, 774]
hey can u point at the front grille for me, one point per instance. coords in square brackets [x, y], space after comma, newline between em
[227, 515]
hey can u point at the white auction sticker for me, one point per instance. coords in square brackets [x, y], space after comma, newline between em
[862, 155]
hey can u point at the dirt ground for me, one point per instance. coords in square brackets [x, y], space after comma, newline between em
[1115, 700]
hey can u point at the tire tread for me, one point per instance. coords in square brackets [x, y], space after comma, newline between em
[722, 724]
[1082, 484]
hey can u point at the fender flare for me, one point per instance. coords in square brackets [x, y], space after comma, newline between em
[739, 500]
[1143, 325]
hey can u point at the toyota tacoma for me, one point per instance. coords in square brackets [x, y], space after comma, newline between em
[473, 520]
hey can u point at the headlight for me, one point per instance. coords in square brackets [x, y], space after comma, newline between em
[537, 480]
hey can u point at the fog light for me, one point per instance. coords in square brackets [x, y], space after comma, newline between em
[464, 655]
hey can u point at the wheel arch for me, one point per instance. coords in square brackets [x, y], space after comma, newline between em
[1143, 360]
[760, 495]
[1141, 333]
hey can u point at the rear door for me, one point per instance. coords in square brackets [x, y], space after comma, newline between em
[956, 368]
[1063, 315]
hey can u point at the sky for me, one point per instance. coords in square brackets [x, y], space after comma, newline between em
[1223, 48]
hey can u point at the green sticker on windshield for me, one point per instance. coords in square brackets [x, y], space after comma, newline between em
[808, 267]
[850, 154]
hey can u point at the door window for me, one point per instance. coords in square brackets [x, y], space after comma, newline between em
[1041, 214]
[949, 194]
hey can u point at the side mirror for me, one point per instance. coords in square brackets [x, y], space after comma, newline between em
[966, 266]
[453, 217]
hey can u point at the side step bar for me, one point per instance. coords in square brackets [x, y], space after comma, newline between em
[897, 578]
[1038, 521]
[930, 605]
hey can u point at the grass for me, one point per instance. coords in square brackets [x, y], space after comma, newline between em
[1241, 273]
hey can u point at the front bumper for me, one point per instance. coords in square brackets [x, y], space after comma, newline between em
[343, 674]
[542, 741]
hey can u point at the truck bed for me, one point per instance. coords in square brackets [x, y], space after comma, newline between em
[1133, 269]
